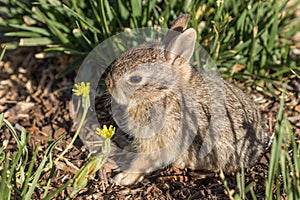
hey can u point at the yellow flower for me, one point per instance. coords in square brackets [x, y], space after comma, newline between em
[106, 133]
[82, 88]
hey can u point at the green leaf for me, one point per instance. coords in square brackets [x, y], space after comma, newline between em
[4, 185]
[82, 39]
[187, 5]
[29, 172]
[14, 133]
[22, 34]
[49, 54]
[1, 57]
[275, 150]
[109, 11]
[36, 41]
[10, 45]
[104, 21]
[90, 26]
[56, 192]
[274, 31]
[52, 26]
[123, 10]
[66, 50]
[38, 173]
[32, 29]
[136, 6]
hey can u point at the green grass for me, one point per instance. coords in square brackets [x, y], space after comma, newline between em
[18, 179]
[2, 53]
[253, 34]
[284, 165]
[285, 160]
[19, 176]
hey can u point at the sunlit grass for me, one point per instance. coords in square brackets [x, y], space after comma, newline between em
[20, 179]
[252, 34]
[284, 166]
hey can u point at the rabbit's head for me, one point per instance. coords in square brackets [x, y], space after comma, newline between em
[153, 68]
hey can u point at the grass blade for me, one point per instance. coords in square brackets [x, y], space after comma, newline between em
[123, 10]
[32, 29]
[52, 26]
[40, 169]
[136, 7]
[14, 133]
[89, 25]
[1, 57]
[22, 34]
[36, 41]
[29, 172]
[275, 151]
[4, 186]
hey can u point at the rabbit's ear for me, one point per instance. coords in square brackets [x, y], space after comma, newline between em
[178, 26]
[181, 23]
[181, 49]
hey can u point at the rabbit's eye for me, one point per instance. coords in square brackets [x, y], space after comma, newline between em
[135, 79]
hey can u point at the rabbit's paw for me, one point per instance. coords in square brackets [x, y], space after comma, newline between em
[125, 178]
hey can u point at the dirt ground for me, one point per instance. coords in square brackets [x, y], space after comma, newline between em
[32, 97]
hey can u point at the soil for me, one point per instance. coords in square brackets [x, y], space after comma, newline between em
[33, 98]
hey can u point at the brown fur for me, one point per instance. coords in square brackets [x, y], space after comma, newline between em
[174, 113]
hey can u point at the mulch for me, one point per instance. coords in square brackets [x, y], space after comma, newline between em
[33, 98]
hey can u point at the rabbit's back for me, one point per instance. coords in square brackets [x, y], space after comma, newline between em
[230, 131]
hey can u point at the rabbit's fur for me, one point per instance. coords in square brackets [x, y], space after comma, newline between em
[178, 115]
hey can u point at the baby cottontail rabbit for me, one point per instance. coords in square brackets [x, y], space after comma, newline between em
[178, 116]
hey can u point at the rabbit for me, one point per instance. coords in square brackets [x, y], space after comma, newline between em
[177, 115]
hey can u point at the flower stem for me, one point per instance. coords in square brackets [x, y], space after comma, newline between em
[85, 110]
